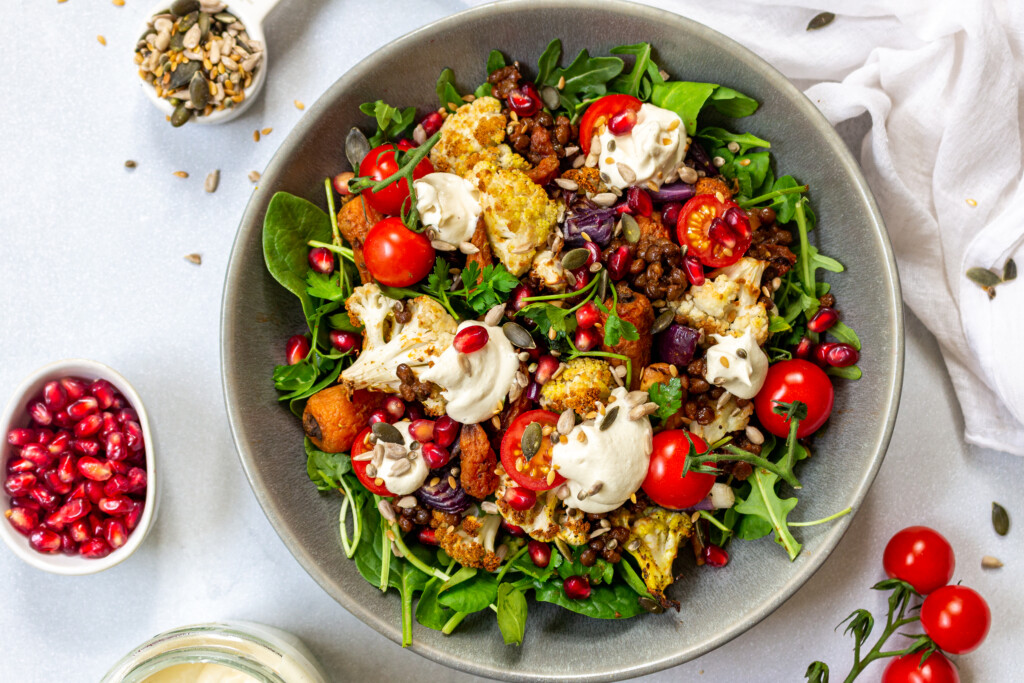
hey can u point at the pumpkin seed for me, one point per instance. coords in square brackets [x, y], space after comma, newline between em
[609, 418]
[356, 147]
[518, 335]
[183, 75]
[180, 8]
[575, 258]
[650, 605]
[180, 116]
[602, 284]
[198, 91]
[387, 433]
[983, 277]
[204, 24]
[630, 228]
[187, 22]
[1010, 270]
[1000, 519]
[821, 21]
[531, 440]
[662, 322]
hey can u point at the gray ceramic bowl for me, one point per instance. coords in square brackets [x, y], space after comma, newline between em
[717, 605]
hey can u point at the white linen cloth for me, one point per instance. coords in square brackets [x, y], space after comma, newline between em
[941, 80]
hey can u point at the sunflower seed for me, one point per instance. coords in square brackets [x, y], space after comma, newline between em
[633, 545]
[820, 21]
[419, 135]
[489, 507]
[356, 145]
[722, 400]
[194, 258]
[578, 161]
[531, 440]
[567, 184]
[468, 248]
[387, 433]
[518, 335]
[401, 467]
[130, 164]
[494, 315]
[566, 421]
[627, 174]
[989, 562]
[575, 258]
[394, 451]
[441, 245]
[754, 435]
[1000, 519]
[212, 181]
[562, 492]
[635, 398]
[363, 457]
[604, 199]
[522, 379]
[386, 511]
[643, 410]
[598, 532]
[371, 470]
[524, 356]
[609, 418]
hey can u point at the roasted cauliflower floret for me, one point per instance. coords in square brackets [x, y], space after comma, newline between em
[727, 303]
[583, 382]
[659, 533]
[388, 343]
[547, 269]
[729, 418]
[473, 133]
[471, 543]
[546, 520]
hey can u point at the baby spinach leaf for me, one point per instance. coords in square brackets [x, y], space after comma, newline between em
[852, 372]
[462, 575]
[614, 601]
[644, 75]
[294, 378]
[290, 222]
[668, 396]
[685, 98]
[447, 93]
[764, 502]
[495, 61]
[733, 103]
[471, 595]
[511, 614]
[586, 77]
[326, 469]
[429, 611]
[720, 137]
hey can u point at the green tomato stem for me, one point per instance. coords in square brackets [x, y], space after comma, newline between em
[732, 453]
[804, 260]
[714, 521]
[823, 520]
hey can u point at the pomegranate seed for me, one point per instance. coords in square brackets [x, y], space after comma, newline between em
[115, 505]
[804, 348]
[37, 455]
[720, 232]
[74, 510]
[422, 430]
[595, 252]
[520, 498]
[296, 349]
[104, 392]
[21, 437]
[471, 338]
[670, 213]
[340, 183]
[68, 545]
[74, 387]
[121, 467]
[91, 468]
[619, 262]
[582, 275]
[131, 518]
[110, 425]
[435, 456]
[445, 431]
[622, 208]
[622, 123]
[431, 123]
[63, 420]
[66, 469]
[94, 548]
[20, 484]
[26, 503]
[639, 201]
[540, 553]
[518, 294]
[55, 396]
[21, 465]
[116, 447]
[88, 425]
[821, 353]
[137, 480]
[82, 407]
[119, 402]
[321, 260]
[738, 221]
[40, 413]
[133, 436]
[395, 407]
[44, 496]
[61, 443]
[524, 100]
[94, 492]
[576, 588]
[86, 446]
[694, 270]
[127, 415]
[825, 318]
[715, 556]
[55, 483]
[587, 315]
[78, 492]
[587, 338]
[379, 415]
[532, 391]
[841, 355]
[44, 540]
[116, 485]
[414, 412]
[44, 436]
[95, 525]
[513, 530]
[79, 531]
[546, 366]
[116, 534]
[345, 341]
[23, 520]
[427, 536]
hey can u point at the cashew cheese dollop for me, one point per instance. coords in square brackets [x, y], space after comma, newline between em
[605, 466]
[476, 384]
[450, 204]
[737, 364]
[399, 478]
[651, 152]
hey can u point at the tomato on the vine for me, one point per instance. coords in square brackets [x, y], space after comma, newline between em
[665, 483]
[395, 255]
[909, 669]
[716, 232]
[602, 111]
[380, 163]
[920, 556]
[794, 380]
[956, 618]
[534, 472]
[359, 467]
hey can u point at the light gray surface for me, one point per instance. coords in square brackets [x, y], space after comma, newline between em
[94, 268]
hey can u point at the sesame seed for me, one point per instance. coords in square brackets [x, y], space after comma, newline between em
[256, 136]
[299, 105]
[266, 131]
[102, 40]
[972, 202]
[181, 174]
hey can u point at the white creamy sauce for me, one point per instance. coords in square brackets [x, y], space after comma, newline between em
[737, 364]
[200, 672]
[616, 457]
[477, 391]
[653, 150]
[449, 203]
[403, 483]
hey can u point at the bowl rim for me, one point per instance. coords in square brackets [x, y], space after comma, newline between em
[76, 565]
[893, 302]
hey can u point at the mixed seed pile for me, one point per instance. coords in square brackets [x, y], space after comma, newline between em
[199, 57]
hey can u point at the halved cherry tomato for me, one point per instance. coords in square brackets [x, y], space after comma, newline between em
[359, 447]
[395, 255]
[601, 111]
[716, 232]
[379, 164]
[665, 483]
[534, 473]
[794, 380]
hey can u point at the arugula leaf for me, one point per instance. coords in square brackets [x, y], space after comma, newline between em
[291, 222]
[687, 98]
[643, 77]
[720, 137]
[391, 121]
[546, 64]
[668, 396]
[586, 77]
[446, 91]
[495, 61]
[324, 287]
[511, 605]
[845, 334]
[326, 469]
[764, 502]
[733, 103]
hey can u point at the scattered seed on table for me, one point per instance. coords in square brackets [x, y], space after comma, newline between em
[130, 164]
[118, 3]
[256, 136]
[181, 174]
[267, 131]
[989, 562]
[254, 176]
[212, 181]
[299, 105]
[194, 258]
[972, 202]
[103, 41]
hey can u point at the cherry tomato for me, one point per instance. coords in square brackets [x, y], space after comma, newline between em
[956, 618]
[535, 472]
[395, 255]
[359, 447]
[795, 380]
[379, 164]
[601, 111]
[665, 483]
[908, 669]
[717, 233]
[920, 556]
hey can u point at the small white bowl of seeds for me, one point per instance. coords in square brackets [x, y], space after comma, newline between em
[203, 61]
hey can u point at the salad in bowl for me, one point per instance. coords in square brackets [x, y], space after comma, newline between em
[560, 331]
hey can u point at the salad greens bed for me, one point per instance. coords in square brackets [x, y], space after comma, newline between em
[434, 589]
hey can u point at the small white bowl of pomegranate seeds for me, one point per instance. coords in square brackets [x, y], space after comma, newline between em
[79, 486]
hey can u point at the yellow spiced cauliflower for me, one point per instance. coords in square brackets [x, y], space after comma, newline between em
[654, 539]
[545, 521]
[727, 303]
[583, 382]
